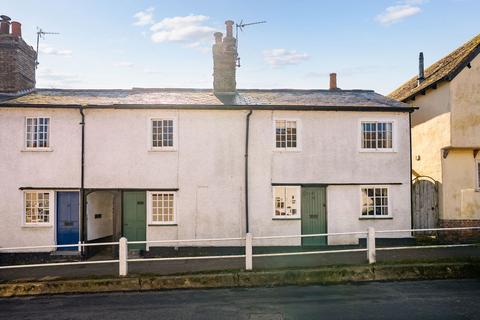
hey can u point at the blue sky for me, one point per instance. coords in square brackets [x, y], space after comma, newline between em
[123, 44]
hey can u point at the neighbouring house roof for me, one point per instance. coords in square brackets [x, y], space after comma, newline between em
[198, 98]
[444, 69]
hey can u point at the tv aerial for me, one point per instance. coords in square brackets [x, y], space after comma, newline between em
[240, 26]
[41, 35]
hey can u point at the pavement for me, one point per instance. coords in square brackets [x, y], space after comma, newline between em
[192, 266]
[437, 299]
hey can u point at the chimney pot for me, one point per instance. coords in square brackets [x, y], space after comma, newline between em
[421, 71]
[218, 37]
[333, 81]
[229, 24]
[5, 24]
[16, 29]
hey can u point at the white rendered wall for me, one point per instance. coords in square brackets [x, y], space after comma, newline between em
[58, 168]
[100, 203]
[207, 168]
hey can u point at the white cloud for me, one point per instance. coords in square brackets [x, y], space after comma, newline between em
[398, 13]
[144, 18]
[123, 64]
[282, 57]
[45, 49]
[189, 29]
[52, 79]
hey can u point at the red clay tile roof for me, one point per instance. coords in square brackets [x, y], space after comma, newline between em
[444, 69]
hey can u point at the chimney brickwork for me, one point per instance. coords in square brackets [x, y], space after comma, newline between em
[225, 61]
[17, 60]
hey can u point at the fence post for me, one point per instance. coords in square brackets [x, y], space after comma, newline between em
[371, 245]
[122, 257]
[248, 251]
[80, 247]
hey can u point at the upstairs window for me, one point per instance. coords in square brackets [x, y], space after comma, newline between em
[286, 202]
[377, 135]
[37, 133]
[162, 134]
[37, 207]
[375, 202]
[286, 134]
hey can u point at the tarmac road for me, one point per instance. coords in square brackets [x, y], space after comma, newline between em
[439, 299]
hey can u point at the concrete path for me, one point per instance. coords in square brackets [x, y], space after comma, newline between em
[440, 299]
[189, 266]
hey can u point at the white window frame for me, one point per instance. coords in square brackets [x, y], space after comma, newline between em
[299, 135]
[150, 208]
[377, 120]
[51, 209]
[389, 199]
[298, 215]
[150, 133]
[48, 148]
[477, 174]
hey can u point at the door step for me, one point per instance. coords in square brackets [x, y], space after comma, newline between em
[134, 253]
[65, 253]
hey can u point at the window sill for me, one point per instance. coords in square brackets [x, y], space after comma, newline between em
[287, 150]
[162, 150]
[377, 151]
[162, 224]
[37, 150]
[36, 225]
[277, 218]
[376, 218]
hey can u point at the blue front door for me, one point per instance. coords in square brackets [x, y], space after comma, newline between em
[67, 219]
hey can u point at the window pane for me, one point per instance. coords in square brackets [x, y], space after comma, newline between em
[279, 194]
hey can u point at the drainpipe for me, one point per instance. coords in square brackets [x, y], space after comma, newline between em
[246, 169]
[411, 168]
[82, 176]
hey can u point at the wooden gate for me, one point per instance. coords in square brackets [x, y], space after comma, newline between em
[425, 204]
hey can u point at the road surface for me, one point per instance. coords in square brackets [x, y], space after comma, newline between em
[439, 299]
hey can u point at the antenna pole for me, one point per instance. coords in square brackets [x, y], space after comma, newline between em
[41, 34]
[240, 26]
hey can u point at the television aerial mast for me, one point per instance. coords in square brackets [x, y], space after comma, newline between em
[41, 35]
[240, 26]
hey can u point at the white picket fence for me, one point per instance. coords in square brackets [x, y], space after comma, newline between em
[248, 241]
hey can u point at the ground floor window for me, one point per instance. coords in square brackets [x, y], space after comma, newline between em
[286, 201]
[375, 202]
[38, 207]
[162, 207]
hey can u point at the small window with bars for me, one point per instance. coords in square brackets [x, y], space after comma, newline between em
[37, 208]
[162, 206]
[37, 133]
[375, 202]
[377, 135]
[286, 134]
[286, 201]
[163, 134]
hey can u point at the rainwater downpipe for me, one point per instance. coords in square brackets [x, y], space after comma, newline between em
[82, 176]
[247, 230]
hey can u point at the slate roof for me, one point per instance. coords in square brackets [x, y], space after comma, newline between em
[444, 69]
[205, 97]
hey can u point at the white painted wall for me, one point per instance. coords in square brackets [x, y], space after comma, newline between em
[208, 168]
[102, 203]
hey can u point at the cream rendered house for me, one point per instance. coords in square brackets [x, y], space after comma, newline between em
[446, 131]
[153, 164]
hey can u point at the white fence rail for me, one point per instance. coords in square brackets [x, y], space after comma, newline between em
[248, 241]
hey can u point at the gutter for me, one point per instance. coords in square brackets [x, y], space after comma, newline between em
[247, 229]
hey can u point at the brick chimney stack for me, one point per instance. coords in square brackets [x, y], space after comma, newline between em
[225, 61]
[17, 59]
[333, 81]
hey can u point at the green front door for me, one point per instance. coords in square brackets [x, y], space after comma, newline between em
[314, 215]
[134, 217]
